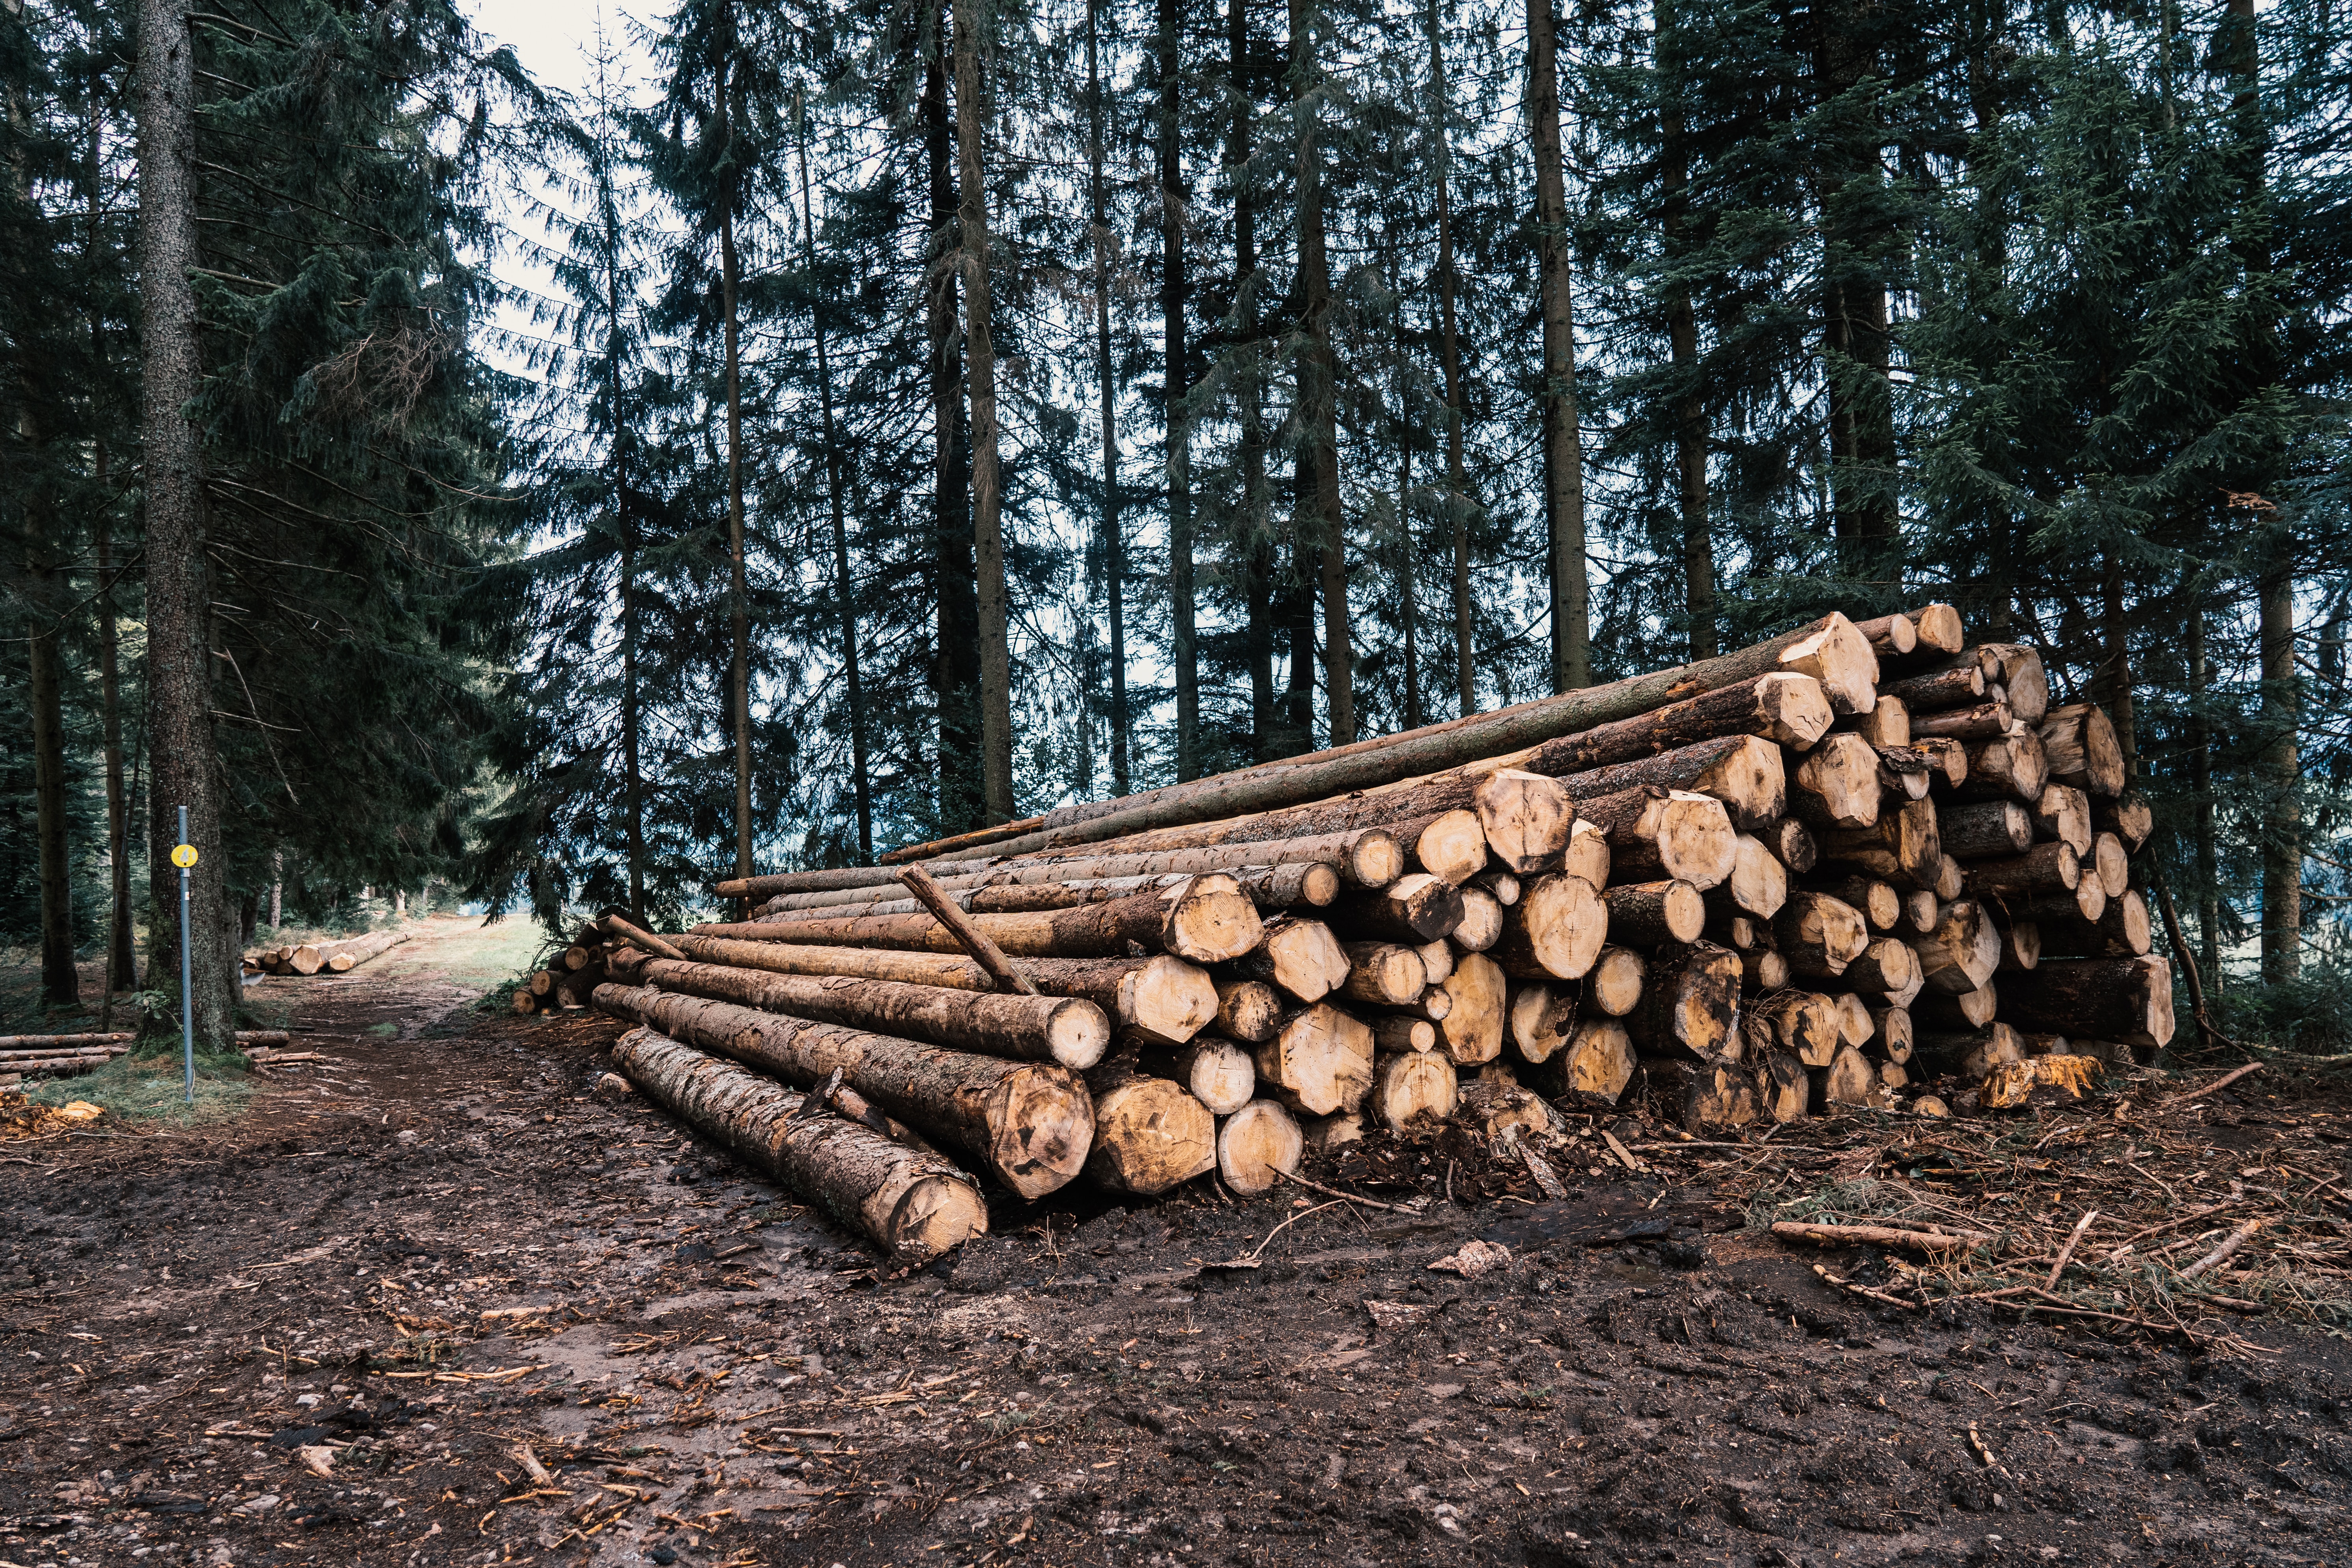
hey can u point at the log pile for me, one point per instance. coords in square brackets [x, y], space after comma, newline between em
[1856, 866]
[336, 957]
[65, 1056]
[570, 976]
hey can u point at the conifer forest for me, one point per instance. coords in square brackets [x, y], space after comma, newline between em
[843, 425]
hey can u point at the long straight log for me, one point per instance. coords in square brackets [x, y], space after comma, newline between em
[341, 957]
[1986, 829]
[1904, 847]
[1165, 996]
[2014, 767]
[1205, 919]
[1831, 650]
[910, 1201]
[1743, 772]
[1066, 1029]
[1690, 1003]
[1295, 884]
[2122, 931]
[2127, 999]
[1030, 1122]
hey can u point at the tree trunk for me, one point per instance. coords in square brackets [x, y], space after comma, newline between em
[1207, 920]
[1069, 1030]
[1855, 346]
[1449, 349]
[179, 597]
[739, 587]
[1744, 772]
[1030, 1122]
[1477, 1006]
[2127, 999]
[956, 660]
[1322, 520]
[1252, 540]
[910, 1201]
[1114, 548]
[1682, 342]
[1177, 380]
[1555, 931]
[845, 601]
[987, 493]
[122, 963]
[1321, 1062]
[1167, 997]
[2200, 778]
[1563, 441]
[60, 987]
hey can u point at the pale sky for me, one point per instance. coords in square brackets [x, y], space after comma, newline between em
[549, 36]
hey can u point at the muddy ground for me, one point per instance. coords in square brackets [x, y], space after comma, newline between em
[438, 1302]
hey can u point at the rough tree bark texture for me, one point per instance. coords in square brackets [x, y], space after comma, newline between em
[956, 659]
[1571, 655]
[185, 767]
[1177, 381]
[1113, 547]
[1449, 351]
[1319, 514]
[987, 486]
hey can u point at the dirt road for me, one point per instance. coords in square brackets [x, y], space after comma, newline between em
[438, 1301]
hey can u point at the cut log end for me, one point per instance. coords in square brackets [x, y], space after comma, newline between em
[1257, 1146]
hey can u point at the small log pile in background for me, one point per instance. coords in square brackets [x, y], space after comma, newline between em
[323, 957]
[570, 976]
[66, 1055]
[1857, 866]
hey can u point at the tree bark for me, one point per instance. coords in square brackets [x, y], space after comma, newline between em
[122, 963]
[1458, 508]
[1855, 342]
[1690, 1006]
[1030, 1122]
[1321, 519]
[956, 659]
[1253, 542]
[2127, 999]
[60, 987]
[987, 491]
[912, 1202]
[1682, 342]
[1069, 1030]
[1114, 548]
[1563, 442]
[1165, 996]
[1744, 772]
[179, 597]
[845, 601]
[2200, 779]
[739, 682]
[1177, 380]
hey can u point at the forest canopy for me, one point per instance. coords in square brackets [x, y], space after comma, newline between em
[840, 425]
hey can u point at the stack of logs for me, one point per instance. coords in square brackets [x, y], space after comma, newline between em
[323, 957]
[1836, 869]
[570, 976]
[64, 1055]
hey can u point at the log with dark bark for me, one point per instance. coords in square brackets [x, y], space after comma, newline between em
[2014, 767]
[1206, 919]
[1482, 922]
[1971, 1054]
[1886, 968]
[1836, 787]
[1984, 721]
[1657, 834]
[1471, 1032]
[1503, 886]
[2127, 999]
[2042, 868]
[1257, 1146]
[2021, 944]
[1960, 1015]
[1594, 1063]
[1525, 817]
[1783, 1085]
[1888, 724]
[1410, 1085]
[2122, 931]
[1613, 987]
[908, 1199]
[1880, 905]
[1784, 709]
[2017, 668]
[1393, 1032]
[1962, 685]
[1698, 1096]
[1745, 773]
[1891, 1033]
[1294, 884]
[1849, 1080]
[1414, 909]
[1030, 1122]
[1653, 914]
[1985, 829]
[1890, 636]
[1301, 957]
[2129, 818]
[1819, 935]
[1963, 951]
[1248, 1010]
[1555, 930]
[1168, 996]
[1500, 1109]
[1437, 958]
[1947, 762]
[1383, 974]
[1792, 844]
[1690, 1003]
[1066, 1029]
[2080, 745]
[1762, 971]
[1150, 1134]
[2064, 813]
[1320, 1061]
[1804, 1024]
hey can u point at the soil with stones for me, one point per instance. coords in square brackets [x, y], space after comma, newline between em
[439, 1300]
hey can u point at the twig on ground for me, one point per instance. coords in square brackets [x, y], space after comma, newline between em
[2224, 1081]
[1336, 1193]
[2067, 1251]
[2221, 1255]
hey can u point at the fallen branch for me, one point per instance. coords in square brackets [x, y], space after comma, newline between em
[2221, 1255]
[1879, 1235]
[2224, 1081]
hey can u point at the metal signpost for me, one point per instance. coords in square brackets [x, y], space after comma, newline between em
[183, 854]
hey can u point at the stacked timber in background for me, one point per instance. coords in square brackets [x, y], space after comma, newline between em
[66, 1055]
[570, 976]
[323, 957]
[1830, 870]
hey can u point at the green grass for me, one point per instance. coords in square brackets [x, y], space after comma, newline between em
[153, 1088]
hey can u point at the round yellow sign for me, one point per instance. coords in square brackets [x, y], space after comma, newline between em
[185, 856]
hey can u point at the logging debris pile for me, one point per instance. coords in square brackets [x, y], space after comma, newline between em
[1858, 866]
[323, 957]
